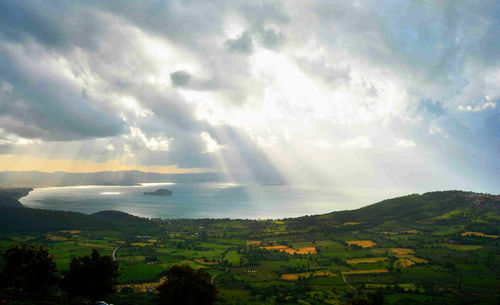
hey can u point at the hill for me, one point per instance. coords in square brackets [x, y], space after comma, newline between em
[477, 211]
[9, 197]
[37, 220]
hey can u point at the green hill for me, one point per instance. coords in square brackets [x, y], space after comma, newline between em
[476, 211]
[36, 220]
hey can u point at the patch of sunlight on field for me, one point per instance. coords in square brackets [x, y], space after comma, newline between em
[144, 287]
[253, 242]
[140, 244]
[479, 234]
[402, 251]
[286, 249]
[361, 243]
[404, 262]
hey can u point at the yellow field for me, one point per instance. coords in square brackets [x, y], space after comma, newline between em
[144, 287]
[404, 262]
[365, 271]
[361, 243]
[402, 251]
[140, 244]
[253, 242]
[479, 234]
[295, 276]
[352, 223]
[366, 260]
[416, 260]
[71, 231]
[306, 250]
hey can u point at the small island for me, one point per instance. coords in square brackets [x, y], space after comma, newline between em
[160, 192]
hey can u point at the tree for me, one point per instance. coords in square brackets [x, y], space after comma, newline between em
[185, 286]
[28, 269]
[92, 276]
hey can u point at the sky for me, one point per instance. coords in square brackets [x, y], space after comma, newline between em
[365, 96]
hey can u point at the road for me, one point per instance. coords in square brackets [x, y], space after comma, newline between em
[114, 253]
[345, 281]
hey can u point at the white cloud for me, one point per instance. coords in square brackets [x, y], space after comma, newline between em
[159, 143]
[359, 142]
[485, 106]
[405, 143]
[211, 144]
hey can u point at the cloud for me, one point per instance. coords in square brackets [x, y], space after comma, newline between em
[241, 45]
[211, 145]
[405, 143]
[180, 78]
[361, 142]
[485, 106]
[38, 101]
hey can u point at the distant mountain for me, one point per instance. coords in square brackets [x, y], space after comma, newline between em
[41, 179]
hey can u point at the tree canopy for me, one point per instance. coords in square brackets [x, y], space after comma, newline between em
[28, 269]
[92, 276]
[185, 286]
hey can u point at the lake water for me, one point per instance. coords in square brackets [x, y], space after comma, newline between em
[194, 200]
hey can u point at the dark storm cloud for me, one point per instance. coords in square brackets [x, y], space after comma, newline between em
[43, 105]
[180, 78]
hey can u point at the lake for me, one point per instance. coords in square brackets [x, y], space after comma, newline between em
[192, 200]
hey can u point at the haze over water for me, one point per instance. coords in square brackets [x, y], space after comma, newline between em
[193, 200]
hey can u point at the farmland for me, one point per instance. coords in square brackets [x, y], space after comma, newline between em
[309, 260]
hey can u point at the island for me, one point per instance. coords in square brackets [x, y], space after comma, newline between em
[160, 192]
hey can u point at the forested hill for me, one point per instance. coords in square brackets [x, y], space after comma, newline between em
[9, 197]
[477, 211]
[36, 220]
